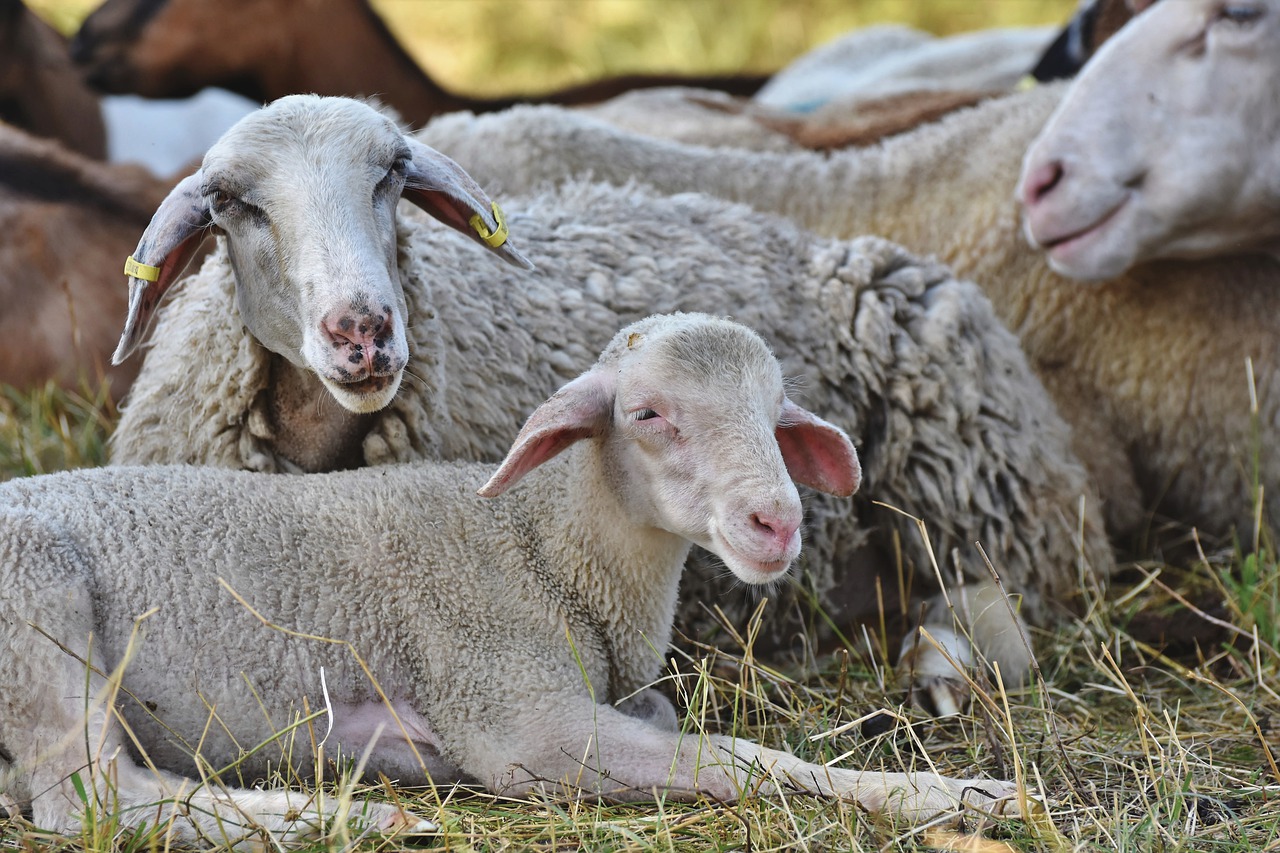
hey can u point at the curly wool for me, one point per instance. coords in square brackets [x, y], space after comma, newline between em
[951, 425]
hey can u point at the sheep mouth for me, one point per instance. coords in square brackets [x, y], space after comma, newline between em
[1064, 243]
[751, 569]
[363, 396]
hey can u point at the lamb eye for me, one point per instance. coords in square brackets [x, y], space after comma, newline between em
[646, 415]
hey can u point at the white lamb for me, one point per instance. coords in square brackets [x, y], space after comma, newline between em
[953, 427]
[1148, 367]
[147, 593]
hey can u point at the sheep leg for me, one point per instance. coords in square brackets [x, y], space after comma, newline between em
[979, 624]
[601, 752]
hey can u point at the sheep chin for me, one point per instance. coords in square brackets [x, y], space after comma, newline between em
[364, 402]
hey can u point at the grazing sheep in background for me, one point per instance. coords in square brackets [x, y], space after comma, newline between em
[1148, 368]
[1166, 146]
[681, 432]
[953, 427]
[67, 220]
[172, 48]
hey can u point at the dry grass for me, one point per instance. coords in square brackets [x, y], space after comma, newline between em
[1152, 725]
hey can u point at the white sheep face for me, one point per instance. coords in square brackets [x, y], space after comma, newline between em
[1167, 145]
[697, 438]
[306, 191]
[311, 233]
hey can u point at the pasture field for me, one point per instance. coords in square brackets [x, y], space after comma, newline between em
[1153, 722]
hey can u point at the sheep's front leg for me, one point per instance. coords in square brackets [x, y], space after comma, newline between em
[599, 751]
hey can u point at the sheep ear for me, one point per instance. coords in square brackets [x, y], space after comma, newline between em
[818, 454]
[177, 229]
[579, 410]
[443, 188]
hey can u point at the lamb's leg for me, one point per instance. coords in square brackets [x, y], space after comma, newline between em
[599, 751]
[57, 720]
[979, 611]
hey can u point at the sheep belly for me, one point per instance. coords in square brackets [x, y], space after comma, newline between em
[394, 736]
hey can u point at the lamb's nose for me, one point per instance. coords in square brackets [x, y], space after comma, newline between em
[778, 528]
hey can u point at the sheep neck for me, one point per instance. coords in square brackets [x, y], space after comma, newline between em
[311, 429]
[625, 574]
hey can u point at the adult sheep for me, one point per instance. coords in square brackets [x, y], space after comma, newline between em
[1167, 145]
[1148, 367]
[682, 432]
[953, 427]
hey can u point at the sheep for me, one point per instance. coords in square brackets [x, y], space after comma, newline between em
[40, 89]
[682, 432]
[172, 48]
[953, 427]
[881, 61]
[1094, 22]
[1135, 165]
[68, 220]
[1149, 367]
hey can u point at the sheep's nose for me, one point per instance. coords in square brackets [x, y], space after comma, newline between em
[360, 339]
[1040, 181]
[778, 528]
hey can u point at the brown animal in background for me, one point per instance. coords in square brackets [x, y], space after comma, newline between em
[173, 48]
[69, 223]
[41, 91]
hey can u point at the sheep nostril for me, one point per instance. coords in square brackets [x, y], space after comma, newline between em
[1042, 181]
[774, 527]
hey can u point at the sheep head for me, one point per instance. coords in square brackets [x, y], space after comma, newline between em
[1166, 146]
[305, 191]
[696, 437]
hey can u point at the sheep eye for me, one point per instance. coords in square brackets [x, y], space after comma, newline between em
[1240, 13]
[221, 200]
[646, 415]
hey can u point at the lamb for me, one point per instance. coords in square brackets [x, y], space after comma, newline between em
[953, 427]
[1183, 163]
[1149, 367]
[682, 432]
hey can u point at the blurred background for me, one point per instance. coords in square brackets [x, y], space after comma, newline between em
[487, 47]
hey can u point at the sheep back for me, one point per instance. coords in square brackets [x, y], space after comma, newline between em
[951, 425]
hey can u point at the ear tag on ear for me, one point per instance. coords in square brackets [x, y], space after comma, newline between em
[493, 238]
[137, 269]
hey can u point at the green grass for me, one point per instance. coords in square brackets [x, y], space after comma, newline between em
[52, 429]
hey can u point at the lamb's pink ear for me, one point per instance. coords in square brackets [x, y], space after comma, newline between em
[818, 454]
[442, 188]
[579, 410]
[177, 229]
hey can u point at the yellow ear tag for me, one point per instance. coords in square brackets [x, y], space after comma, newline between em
[137, 269]
[491, 238]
